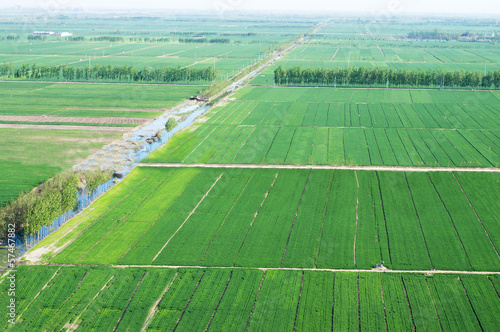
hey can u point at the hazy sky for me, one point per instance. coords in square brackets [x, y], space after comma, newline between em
[381, 7]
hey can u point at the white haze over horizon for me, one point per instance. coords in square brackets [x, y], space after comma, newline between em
[371, 7]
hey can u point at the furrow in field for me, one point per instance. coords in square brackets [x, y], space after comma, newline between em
[189, 301]
[255, 216]
[255, 301]
[154, 308]
[190, 214]
[220, 299]
[130, 300]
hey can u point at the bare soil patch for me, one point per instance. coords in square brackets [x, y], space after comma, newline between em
[108, 120]
[118, 109]
[64, 127]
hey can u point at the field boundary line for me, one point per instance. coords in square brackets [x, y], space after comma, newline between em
[232, 144]
[68, 243]
[221, 144]
[383, 303]
[434, 303]
[419, 221]
[333, 57]
[359, 304]
[374, 270]
[130, 300]
[225, 218]
[41, 290]
[382, 52]
[124, 218]
[470, 303]
[154, 223]
[212, 142]
[156, 305]
[409, 305]
[73, 293]
[333, 298]
[193, 129]
[246, 116]
[188, 302]
[289, 146]
[255, 217]
[357, 216]
[452, 221]
[255, 301]
[220, 300]
[318, 242]
[190, 214]
[193, 150]
[294, 219]
[477, 216]
[298, 303]
[475, 148]
[74, 325]
[245, 142]
[102, 83]
[329, 167]
[65, 127]
[492, 285]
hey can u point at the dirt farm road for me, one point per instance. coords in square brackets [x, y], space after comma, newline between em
[64, 127]
[375, 270]
[329, 167]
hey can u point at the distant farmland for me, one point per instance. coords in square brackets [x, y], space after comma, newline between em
[106, 298]
[31, 156]
[280, 208]
[326, 219]
[345, 127]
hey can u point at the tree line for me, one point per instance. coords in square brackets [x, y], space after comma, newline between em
[109, 73]
[205, 40]
[41, 206]
[385, 76]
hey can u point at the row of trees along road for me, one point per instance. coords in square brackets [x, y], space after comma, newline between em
[110, 73]
[383, 76]
[42, 205]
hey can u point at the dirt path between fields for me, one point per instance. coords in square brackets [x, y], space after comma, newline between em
[343, 87]
[104, 83]
[105, 120]
[374, 270]
[328, 167]
[64, 127]
[117, 109]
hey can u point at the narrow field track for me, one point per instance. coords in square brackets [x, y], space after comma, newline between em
[104, 120]
[328, 167]
[104, 83]
[381, 270]
[63, 127]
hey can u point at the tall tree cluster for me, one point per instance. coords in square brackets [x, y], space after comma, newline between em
[382, 76]
[110, 73]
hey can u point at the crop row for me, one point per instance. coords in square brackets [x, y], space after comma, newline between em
[267, 76]
[51, 151]
[370, 96]
[295, 218]
[104, 298]
[90, 100]
[301, 145]
[408, 55]
[358, 115]
[228, 59]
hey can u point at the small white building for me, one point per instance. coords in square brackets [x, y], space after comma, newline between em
[52, 34]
